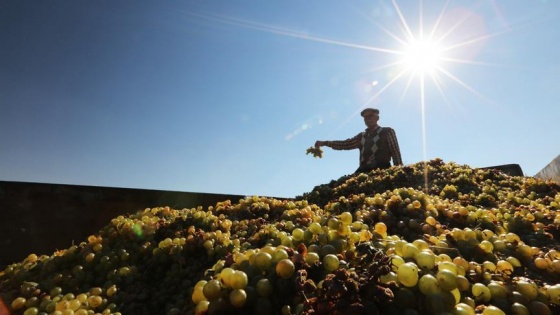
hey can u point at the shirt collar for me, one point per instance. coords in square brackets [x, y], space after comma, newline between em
[372, 130]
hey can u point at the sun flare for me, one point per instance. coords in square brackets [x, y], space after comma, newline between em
[422, 57]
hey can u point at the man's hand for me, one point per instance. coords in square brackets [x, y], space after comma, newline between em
[315, 151]
[319, 144]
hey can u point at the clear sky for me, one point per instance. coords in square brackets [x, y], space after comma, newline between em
[226, 96]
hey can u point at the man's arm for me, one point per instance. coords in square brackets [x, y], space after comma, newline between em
[348, 144]
[394, 147]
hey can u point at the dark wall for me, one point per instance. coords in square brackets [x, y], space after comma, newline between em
[41, 218]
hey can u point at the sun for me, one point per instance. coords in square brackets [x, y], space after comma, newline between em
[422, 57]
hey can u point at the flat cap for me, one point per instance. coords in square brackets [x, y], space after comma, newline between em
[374, 110]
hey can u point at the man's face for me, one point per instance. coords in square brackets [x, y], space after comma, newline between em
[371, 119]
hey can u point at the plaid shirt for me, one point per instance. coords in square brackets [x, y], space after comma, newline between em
[356, 143]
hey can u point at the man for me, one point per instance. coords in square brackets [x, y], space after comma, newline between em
[378, 145]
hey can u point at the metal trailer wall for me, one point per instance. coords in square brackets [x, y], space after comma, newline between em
[41, 218]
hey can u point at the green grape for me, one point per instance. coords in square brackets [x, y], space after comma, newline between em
[428, 284]
[553, 293]
[315, 228]
[212, 290]
[447, 279]
[492, 310]
[339, 245]
[525, 251]
[456, 294]
[112, 290]
[330, 262]
[18, 303]
[486, 246]
[497, 291]
[225, 276]
[311, 258]
[344, 230]
[380, 228]
[542, 263]
[333, 223]
[389, 277]
[421, 245]
[238, 280]
[74, 304]
[488, 266]
[463, 309]
[279, 254]
[396, 261]
[90, 257]
[444, 258]
[55, 291]
[269, 249]
[307, 236]
[426, 260]
[285, 310]
[345, 218]
[81, 312]
[94, 301]
[285, 268]
[512, 238]
[409, 251]
[201, 308]
[297, 234]
[263, 260]
[553, 254]
[198, 294]
[487, 234]
[460, 261]
[519, 309]
[504, 266]
[514, 261]
[461, 271]
[32, 301]
[527, 289]
[62, 305]
[315, 248]
[499, 246]
[469, 301]
[354, 237]
[237, 297]
[556, 265]
[481, 292]
[264, 288]
[399, 246]
[469, 234]
[447, 265]
[407, 274]
[537, 307]
[463, 283]
[31, 311]
[431, 221]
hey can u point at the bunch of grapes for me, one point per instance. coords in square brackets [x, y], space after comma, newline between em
[316, 152]
[427, 238]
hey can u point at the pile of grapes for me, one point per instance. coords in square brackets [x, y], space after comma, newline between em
[427, 238]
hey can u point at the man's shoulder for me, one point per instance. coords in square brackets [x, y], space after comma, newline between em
[387, 129]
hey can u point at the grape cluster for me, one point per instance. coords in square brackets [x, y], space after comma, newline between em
[427, 238]
[316, 152]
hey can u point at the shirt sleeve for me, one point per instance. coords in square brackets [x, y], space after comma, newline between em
[394, 147]
[348, 144]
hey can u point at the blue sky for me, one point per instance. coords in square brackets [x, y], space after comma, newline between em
[226, 96]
